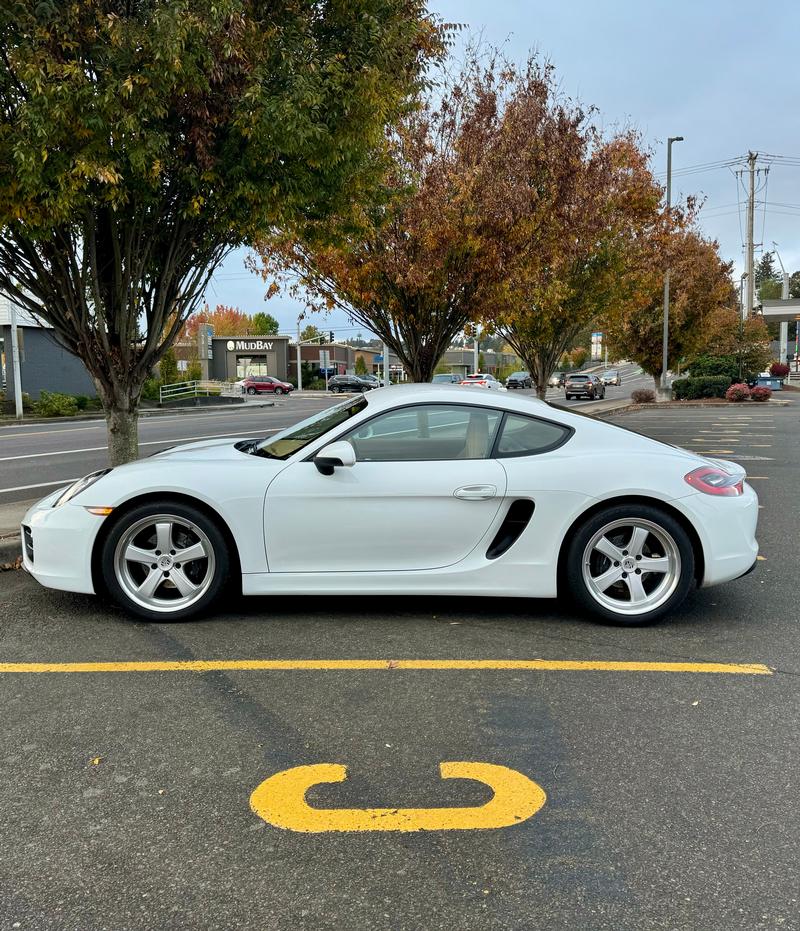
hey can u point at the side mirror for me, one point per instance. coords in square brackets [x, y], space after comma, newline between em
[340, 453]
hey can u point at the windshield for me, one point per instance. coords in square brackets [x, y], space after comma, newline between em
[289, 441]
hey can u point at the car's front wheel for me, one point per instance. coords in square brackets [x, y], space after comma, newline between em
[630, 564]
[279, 391]
[164, 561]
[251, 391]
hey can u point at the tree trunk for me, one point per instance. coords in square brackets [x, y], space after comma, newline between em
[541, 392]
[123, 435]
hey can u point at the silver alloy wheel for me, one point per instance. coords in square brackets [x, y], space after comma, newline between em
[631, 566]
[164, 563]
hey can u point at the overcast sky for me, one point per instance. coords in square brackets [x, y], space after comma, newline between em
[725, 75]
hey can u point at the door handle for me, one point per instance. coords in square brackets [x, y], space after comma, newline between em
[475, 492]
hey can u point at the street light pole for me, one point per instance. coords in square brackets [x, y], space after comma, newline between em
[665, 338]
[299, 360]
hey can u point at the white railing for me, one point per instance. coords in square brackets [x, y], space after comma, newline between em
[183, 390]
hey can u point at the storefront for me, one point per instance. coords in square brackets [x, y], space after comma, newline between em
[234, 358]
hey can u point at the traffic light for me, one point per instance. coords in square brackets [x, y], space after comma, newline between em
[330, 337]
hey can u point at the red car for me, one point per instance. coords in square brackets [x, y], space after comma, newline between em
[262, 384]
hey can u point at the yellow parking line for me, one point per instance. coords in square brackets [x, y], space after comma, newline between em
[331, 665]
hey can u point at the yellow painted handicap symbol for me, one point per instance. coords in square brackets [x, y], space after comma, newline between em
[281, 801]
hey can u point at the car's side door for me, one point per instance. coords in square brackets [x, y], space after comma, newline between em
[421, 495]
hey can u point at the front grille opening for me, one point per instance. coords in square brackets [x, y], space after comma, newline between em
[27, 540]
[516, 520]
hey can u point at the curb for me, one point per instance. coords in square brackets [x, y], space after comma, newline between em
[683, 406]
[10, 549]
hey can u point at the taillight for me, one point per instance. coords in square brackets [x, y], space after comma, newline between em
[713, 481]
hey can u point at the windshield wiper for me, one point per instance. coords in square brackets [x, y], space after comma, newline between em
[251, 447]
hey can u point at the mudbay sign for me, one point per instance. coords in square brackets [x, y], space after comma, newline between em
[246, 345]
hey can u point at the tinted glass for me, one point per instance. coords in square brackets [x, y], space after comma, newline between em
[289, 441]
[427, 432]
[526, 436]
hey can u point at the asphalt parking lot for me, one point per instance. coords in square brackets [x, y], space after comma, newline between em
[647, 778]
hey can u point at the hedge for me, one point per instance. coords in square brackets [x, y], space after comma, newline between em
[706, 386]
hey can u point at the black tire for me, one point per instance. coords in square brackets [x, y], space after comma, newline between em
[575, 583]
[115, 579]
[335, 389]
[279, 391]
[251, 391]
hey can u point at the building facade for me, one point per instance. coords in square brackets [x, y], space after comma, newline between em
[44, 364]
[232, 358]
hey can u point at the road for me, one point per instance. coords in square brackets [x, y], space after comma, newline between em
[36, 458]
[671, 792]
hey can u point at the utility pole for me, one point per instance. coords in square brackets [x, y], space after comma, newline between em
[476, 351]
[783, 351]
[15, 360]
[665, 334]
[386, 380]
[299, 363]
[751, 210]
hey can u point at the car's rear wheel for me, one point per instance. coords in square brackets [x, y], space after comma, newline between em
[630, 564]
[165, 561]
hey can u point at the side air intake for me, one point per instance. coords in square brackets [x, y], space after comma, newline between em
[516, 520]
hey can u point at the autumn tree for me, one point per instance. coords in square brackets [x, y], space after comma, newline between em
[417, 268]
[700, 288]
[744, 344]
[226, 320]
[140, 142]
[591, 200]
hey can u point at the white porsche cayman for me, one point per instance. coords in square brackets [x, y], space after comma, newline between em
[413, 489]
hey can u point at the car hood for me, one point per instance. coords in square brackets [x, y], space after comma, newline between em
[204, 450]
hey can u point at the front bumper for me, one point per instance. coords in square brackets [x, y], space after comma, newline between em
[58, 545]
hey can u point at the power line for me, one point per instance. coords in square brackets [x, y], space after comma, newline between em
[702, 166]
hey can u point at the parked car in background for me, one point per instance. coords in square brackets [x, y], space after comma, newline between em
[447, 378]
[519, 380]
[265, 384]
[584, 386]
[482, 380]
[556, 380]
[611, 377]
[349, 383]
[372, 380]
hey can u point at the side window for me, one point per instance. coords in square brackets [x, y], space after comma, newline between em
[527, 436]
[427, 432]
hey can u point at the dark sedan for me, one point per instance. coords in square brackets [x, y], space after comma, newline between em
[348, 383]
[519, 380]
[584, 386]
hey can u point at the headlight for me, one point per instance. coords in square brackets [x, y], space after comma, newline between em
[77, 487]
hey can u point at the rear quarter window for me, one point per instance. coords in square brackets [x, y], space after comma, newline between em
[529, 436]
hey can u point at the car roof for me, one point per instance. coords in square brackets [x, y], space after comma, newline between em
[423, 392]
